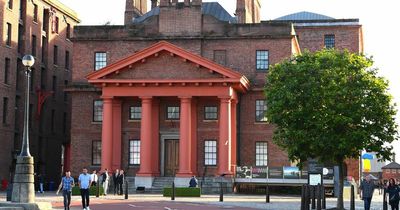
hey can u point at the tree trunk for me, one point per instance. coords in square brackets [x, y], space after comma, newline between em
[339, 204]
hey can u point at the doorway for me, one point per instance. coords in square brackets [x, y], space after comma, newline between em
[171, 157]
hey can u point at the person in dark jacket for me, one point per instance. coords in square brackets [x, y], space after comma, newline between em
[115, 180]
[120, 181]
[367, 190]
[393, 191]
[193, 182]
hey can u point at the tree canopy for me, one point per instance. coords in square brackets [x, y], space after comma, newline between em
[330, 105]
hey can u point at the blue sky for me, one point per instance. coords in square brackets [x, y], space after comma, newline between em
[378, 18]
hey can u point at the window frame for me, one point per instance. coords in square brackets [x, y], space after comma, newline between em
[264, 119]
[7, 68]
[259, 59]
[132, 111]
[33, 45]
[210, 113]
[35, 13]
[68, 31]
[67, 60]
[96, 151]
[102, 62]
[329, 39]
[264, 161]
[99, 110]
[134, 149]
[55, 55]
[10, 4]
[210, 157]
[9, 34]
[178, 113]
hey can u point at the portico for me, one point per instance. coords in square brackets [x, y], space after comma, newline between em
[195, 78]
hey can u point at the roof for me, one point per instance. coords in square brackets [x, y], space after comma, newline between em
[305, 16]
[392, 165]
[64, 9]
[208, 8]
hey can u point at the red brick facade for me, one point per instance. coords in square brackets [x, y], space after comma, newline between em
[183, 25]
[46, 140]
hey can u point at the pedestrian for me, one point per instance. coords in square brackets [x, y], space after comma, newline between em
[67, 182]
[120, 181]
[393, 191]
[115, 180]
[94, 177]
[84, 186]
[105, 177]
[193, 182]
[367, 190]
[41, 183]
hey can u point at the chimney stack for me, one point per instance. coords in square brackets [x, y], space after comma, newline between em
[133, 9]
[248, 11]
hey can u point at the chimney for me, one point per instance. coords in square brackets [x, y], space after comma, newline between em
[133, 9]
[394, 157]
[154, 3]
[248, 11]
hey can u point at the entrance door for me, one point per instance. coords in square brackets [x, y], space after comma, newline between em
[171, 157]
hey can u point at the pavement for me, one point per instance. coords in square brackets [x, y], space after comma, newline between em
[209, 202]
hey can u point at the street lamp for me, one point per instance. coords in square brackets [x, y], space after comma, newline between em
[28, 61]
[23, 190]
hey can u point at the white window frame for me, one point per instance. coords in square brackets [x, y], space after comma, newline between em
[210, 152]
[134, 152]
[261, 153]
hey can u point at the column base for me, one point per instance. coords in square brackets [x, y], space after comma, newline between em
[144, 181]
[182, 181]
[23, 190]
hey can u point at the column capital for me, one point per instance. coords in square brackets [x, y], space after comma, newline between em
[146, 97]
[225, 99]
[185, 97]
[107, 97]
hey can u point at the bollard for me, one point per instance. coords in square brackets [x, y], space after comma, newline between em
[312, 197]
[323, 198]
[221, 193]
[126, 190]
[352, 199]
[97, 190]
[318, 192]
[173, 192]
[267, 194]
[303, 206]
[385, 205]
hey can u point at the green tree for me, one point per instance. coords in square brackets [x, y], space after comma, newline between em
[330, 105]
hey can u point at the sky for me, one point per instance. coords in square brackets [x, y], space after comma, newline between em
[379, 20]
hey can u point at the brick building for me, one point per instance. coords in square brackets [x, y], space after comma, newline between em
[42, 28]
[391, 170]
[178, 90]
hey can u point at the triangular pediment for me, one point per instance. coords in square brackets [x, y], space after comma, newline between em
[164, 60]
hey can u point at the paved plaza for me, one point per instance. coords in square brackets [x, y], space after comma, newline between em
[209, 202]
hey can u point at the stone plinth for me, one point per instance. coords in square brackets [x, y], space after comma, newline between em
[23, 187]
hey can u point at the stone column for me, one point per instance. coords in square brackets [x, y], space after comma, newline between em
[224, 142]
[233, 135]
[185, 169]
[107, 134]
[117, 138]
[194, 136]
[155, 143]
[146, 135]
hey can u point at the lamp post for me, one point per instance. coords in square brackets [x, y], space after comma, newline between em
[23, 186]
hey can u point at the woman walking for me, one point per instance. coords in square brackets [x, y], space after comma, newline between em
[393, 191]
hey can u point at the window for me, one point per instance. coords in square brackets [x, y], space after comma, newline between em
[96, 152]
[5, 110]
[20, 38]
[7, 71]
[33, 45]
[65, 122]
[55, 55]
[210, 153]
[35, 13]
[173, 112]
[394, 171]
[134, 152]
[220, 56]
[387, 171]
[44, 50]
[100, 60]
[68, 31]
[43, 79]
[65, 92]
[8, 37]
[54, 85]
[53, 120]
[54, 26]
[261, 108]
[32, 79]
[66, 59]
[135, 113]
[98, 111]
[210, 113]
[10, 4]
[261, 154]
[262, 59]
[329, 41]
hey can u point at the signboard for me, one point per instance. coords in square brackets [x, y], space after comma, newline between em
[243, 172]
[290, 172]
[259, 172]
[275, 172]
[314, 179]
[314, 166]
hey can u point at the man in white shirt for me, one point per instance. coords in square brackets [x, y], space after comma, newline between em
[94, 177]
[105, 179]
[85, 182]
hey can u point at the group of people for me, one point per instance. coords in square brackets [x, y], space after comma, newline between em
[392, 189]
[85, 181]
